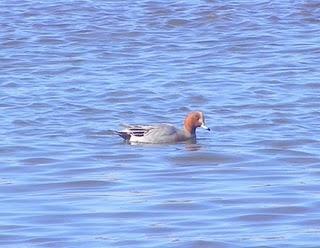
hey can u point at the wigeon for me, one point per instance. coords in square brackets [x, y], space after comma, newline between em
[164, 133]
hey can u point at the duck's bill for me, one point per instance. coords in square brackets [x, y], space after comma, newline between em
[205, 127]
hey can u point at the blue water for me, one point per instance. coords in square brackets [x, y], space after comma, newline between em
[70, 71]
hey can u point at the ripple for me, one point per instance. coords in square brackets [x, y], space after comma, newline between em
[38, 161]
[178, 206]
[259, 219]
[64, 186]
[285, 144]
[204, 244]
[288, 210]
[205, 158]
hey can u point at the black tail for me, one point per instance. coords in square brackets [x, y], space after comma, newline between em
[123, 135]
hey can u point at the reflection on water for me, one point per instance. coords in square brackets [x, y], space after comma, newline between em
[72, 71]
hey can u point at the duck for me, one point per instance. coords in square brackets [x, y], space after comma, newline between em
[164, 133]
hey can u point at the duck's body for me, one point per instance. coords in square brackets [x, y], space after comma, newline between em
[164, 133]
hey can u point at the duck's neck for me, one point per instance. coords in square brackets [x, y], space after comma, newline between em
[189, 129]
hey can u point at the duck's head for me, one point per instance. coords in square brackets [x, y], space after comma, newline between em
[195, 120]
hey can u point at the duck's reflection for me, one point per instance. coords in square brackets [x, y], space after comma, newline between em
[190, 145]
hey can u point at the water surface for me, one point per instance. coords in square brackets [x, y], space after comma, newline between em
[72, 70]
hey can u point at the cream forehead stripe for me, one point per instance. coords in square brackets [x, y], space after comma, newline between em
[201, 116]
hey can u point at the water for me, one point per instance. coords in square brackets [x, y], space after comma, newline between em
[72, 70]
